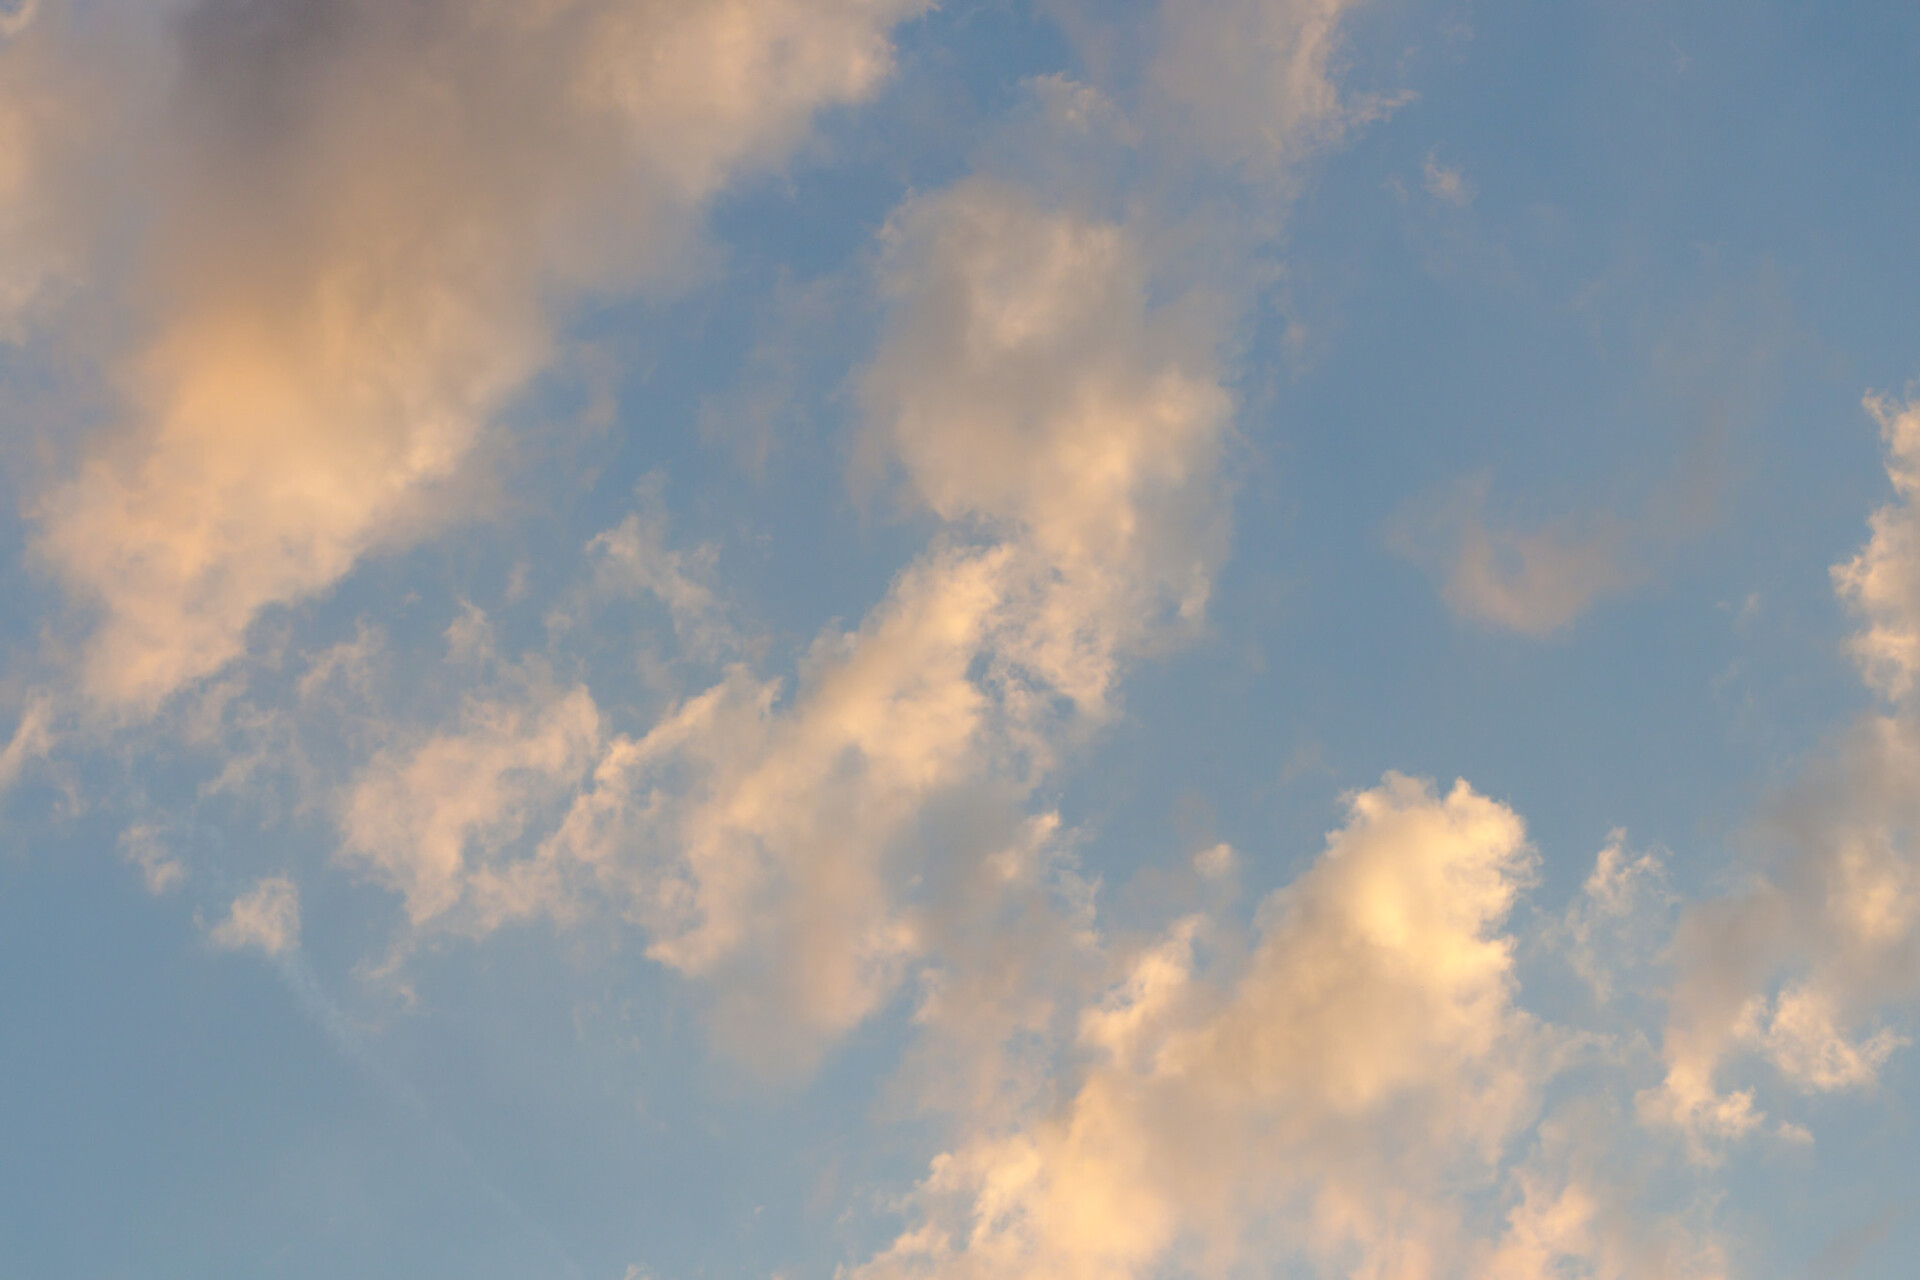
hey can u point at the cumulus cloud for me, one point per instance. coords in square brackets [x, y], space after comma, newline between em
[351, 260]
[1576, 1212]
[265, 918]
[1796, 966]
[359, 220]
[1341, 1096]
[1029, 389]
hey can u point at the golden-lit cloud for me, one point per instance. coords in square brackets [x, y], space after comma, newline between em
[354, 226]
[1068, 431]
[1048, 384]
[1341, 1096]
[365, 224]
[431, 821]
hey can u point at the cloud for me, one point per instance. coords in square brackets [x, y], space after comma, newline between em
[1066, 428]
[38, 121]
[17, 16]
[1049, 384]
[360, 221]
[1799, 964]
[1027, 388]
[330, 325]
[1622, 917]
[354, 258]
[1330, 1099]
[1843, 1253]
[1534, 581]
[1882, 583]
[1796, 1030]
[32, 739]
[1717, 363]
[437, 821]
[266, 917]
[145, 846]
[1795, 966]
[1250, 83]
[1582, 1210]
[1446, 184]
[634, 556]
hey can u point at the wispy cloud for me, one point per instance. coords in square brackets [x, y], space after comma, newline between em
[265, 918]
[1534, 581]
[1798, 966]
[1444, 183]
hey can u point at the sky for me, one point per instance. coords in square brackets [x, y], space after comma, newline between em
[876, 640]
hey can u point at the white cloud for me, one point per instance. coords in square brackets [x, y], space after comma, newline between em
[266, 918]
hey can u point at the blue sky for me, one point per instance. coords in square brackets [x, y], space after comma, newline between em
[841, 638]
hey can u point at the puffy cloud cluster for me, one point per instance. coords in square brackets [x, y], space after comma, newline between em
[341, 230]
[1048, 384]
[1349, 1095]
[363, 218]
